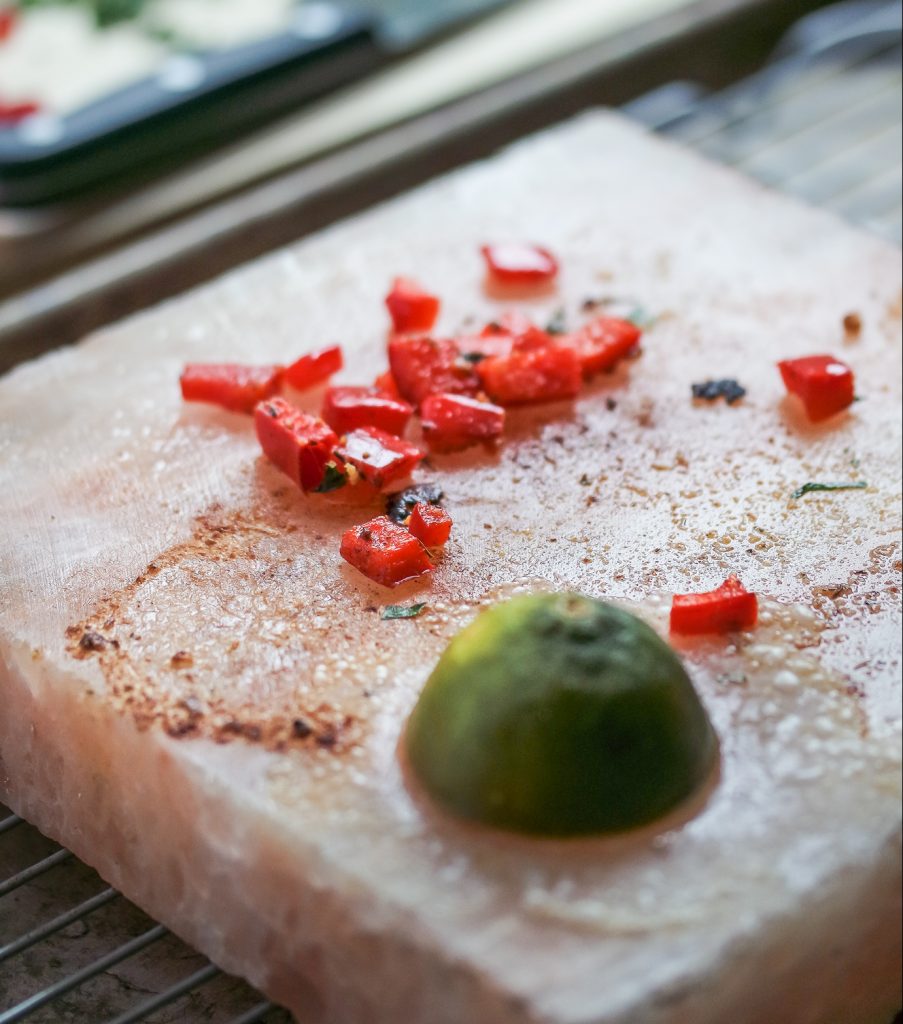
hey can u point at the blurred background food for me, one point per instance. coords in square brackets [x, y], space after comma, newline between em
[148, 145]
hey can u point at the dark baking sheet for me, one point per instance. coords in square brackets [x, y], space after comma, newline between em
[200, 99]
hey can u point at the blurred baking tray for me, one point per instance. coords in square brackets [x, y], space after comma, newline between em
[821, 121]
[199, 98]
[194, 100]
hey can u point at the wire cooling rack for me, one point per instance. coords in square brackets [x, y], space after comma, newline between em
[822, 122]
[73, 951]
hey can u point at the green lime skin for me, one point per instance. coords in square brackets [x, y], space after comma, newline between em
[558, 715]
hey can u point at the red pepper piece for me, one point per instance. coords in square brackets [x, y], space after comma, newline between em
[452, 423]
[514, 263]
[8, 18]
[825, 385]
[413, 309]
[379, 457]
[12, 113]
[300, 445]
[314, 368]
[430, 524]
[348, 408]
[426, 366]
[603, 343]
[385, 552]
[726, 610]
[231, 386]
[549, 374]
[385, 383]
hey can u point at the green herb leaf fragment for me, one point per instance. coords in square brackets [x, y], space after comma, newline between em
[558, 324]
[400, 611]
[642, 318]
[333, 479]
[801, 492]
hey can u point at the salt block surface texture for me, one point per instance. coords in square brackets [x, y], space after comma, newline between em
[166, 750]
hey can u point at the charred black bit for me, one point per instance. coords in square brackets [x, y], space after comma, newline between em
[271, 412]
[400, 611]
[585, 480]
[590, 304]
[327, 739]
[300, 729]
[473, 357]
[401, 504]
[92, 642]
[365, 534]
[333, 479]
[712, 390]
[611, 404]
[558, 323]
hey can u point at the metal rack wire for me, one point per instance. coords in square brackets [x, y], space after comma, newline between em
[823, 123]
[73, 949]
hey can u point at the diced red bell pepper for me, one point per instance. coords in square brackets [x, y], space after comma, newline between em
[12, 113]
[548, 374]
[8, 18]
[385, 552]
[348, 408]
[302, 446]
[314, 368]
[413, 309]
[726, 610]
[430, 524]
[385, 382]
[452, 423]
[231, 386]
[603, 343]
[426, 366]
[514, 263]
[379, 457]
[825, 385]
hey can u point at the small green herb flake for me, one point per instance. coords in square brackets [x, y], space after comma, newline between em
[642, 318]
[801, 492]
[400, 611]
[333, 479]
[558, 324]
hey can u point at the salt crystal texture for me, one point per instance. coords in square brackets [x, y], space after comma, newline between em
[247, 792]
